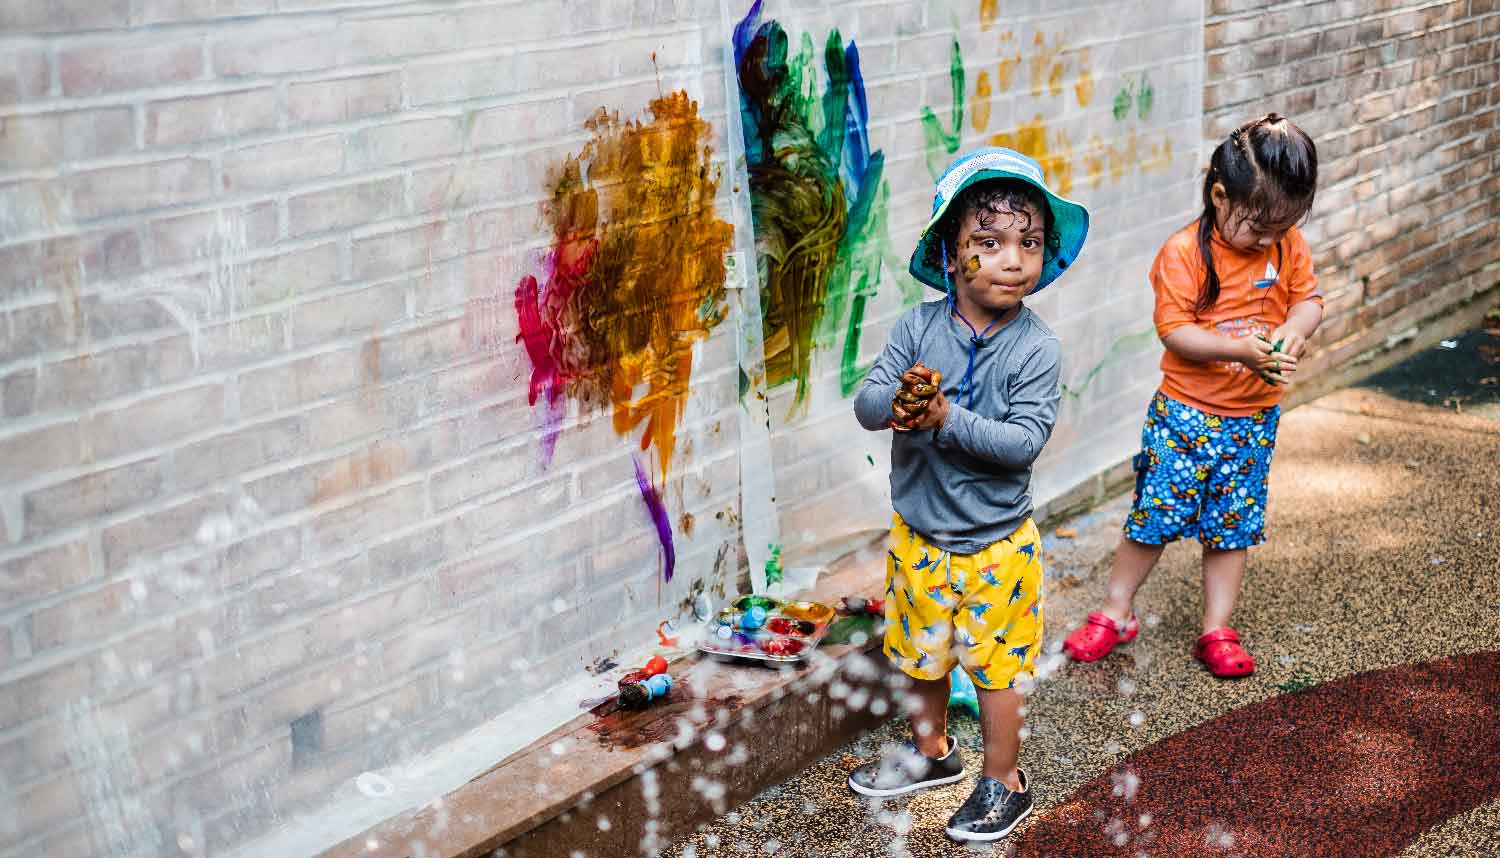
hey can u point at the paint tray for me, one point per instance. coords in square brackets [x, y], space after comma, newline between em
[788, 632]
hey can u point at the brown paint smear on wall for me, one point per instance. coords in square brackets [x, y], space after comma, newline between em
[638, 269]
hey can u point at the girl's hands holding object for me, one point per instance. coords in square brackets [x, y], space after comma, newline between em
[1269, 360]
[919, 403]
[1292, 342]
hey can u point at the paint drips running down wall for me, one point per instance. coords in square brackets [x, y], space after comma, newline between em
[635, 273]
[818, 197]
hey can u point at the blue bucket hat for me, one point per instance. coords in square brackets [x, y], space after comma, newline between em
[1070, 219]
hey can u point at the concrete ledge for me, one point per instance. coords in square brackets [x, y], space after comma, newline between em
[607, 786]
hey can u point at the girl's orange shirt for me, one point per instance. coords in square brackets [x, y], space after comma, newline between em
[1256, 291]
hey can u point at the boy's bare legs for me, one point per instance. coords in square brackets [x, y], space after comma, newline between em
[1222, 573]
[929, 715]
[1133, 562]
[1000, 718]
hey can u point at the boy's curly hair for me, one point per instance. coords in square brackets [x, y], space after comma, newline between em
[991, 199]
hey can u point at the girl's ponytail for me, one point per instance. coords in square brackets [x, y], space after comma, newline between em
[1269, 170]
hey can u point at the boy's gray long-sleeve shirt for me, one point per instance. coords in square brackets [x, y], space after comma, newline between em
[967, 485]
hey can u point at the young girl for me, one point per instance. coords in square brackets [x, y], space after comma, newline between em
[1236, 302]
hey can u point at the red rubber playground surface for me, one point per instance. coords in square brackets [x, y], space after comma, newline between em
[1370, 728]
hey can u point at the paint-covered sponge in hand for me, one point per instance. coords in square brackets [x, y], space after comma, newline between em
[918, 386]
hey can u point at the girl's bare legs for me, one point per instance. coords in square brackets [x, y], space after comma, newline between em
[1223, 571]
[1000, 718]
[1133, 562]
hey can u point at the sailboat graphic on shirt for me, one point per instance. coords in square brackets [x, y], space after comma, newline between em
[1269, 278]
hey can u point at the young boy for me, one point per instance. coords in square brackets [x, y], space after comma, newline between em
[964, 571]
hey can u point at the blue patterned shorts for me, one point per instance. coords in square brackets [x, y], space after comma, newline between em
[1202, 475]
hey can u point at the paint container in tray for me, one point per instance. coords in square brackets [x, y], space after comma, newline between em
[767, 629]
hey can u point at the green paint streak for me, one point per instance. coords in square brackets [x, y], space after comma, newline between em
[1144, 97]
[774, 573]
[942, 143]
[819, 204]
[1122, 103]
[1121, 347]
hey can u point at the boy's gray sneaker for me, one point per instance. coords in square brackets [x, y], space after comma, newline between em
[903, 769]
[991, 811]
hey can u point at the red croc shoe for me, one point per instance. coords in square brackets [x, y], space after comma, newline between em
[1096, 637]
[1221, 653]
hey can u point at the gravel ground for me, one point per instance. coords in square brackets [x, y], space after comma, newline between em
[1384, 551]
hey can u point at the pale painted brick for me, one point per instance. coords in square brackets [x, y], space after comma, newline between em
[19, 16]
[422, 349]
[555, 68]
[25, 74]
[362, 311]
[496, 518]
[388, 254]
[129, 63]
[277, 48]
[18, 393]
[344, 99]
[330, 480]
[284, 163]
[43, 139]
[515, 463]
[155, 421]
[352, 726]
[37, 692]
[29, 331]
[252, 557]
[87, 381]
[119, 190]
[44, 572]
[93, 495]
[38, 452]
[418, 140]
[345, 206]
[279, 278]
[164, 11]
[374, 39]
[449, 82]
[482, 26]
[150, 535]
[110, 254]
[301, 380]
[232, 453]
[43, 806]
[520, 123]
[219, 235]
[367, 519]
[98, 613]
[210, 117]
[33, 206]
[38, 267]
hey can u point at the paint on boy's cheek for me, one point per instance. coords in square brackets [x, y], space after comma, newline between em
[972, 264]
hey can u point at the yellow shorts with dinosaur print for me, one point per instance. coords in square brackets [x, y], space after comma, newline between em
[983, 611]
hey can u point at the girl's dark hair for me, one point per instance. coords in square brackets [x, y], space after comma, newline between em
[1269, 170]
[990, 199]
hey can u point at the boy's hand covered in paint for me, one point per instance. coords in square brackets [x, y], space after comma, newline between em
[919, 403]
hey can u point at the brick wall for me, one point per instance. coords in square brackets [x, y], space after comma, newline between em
[1402, 99]
[275, 509]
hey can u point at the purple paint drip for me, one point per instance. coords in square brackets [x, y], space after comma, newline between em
[658, 512]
